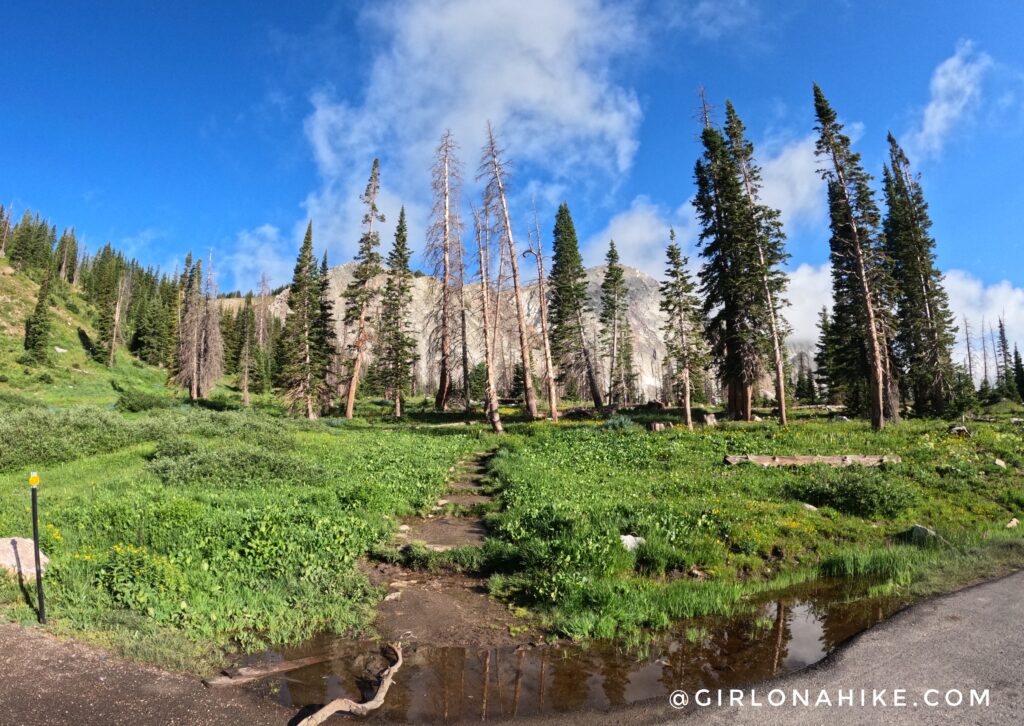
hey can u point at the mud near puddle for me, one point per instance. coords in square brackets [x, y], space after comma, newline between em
[788, 630]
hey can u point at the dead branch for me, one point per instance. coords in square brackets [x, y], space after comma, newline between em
[845, 460]
[360, 709]
[255, 673]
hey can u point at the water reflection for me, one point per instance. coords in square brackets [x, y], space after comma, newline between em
[795, 628]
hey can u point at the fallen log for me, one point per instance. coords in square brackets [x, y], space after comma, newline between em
[344, 705]
[248, 674]
[845, 460]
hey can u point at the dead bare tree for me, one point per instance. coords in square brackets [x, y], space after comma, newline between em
[124, 290]
[537, 250]
[263, 314]
[970, 356]
[460, 295]
[211, 362]
[483, 243]
[493, 169]
[446, 180]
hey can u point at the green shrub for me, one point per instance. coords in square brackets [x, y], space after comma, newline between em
[864, 494]
[138, 579]
[134, 401]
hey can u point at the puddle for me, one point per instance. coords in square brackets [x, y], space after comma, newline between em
[789, 631]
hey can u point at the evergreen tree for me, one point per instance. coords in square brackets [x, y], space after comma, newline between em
[360, 294]
[682, 328]
[769, 240]
[1008, 381]
[732, 273]
[67, 256]
[925, 330]
[37, 327]
[190, 332]
[1018, 373]
[615, 331]
[297, 368]
[397, 346]
[246, 355]
[325, 337]
[825, 359]
[567, 285]
[861, 284]
[150, 337]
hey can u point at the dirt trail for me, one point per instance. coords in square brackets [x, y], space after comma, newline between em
[450, 609]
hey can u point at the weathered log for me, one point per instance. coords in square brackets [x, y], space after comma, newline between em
[359, 709]
[845, 460]
[248, 674]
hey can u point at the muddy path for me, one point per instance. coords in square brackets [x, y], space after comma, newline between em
[424, 608]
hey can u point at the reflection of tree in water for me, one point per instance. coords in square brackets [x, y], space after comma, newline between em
[570, 673]
[615, 669]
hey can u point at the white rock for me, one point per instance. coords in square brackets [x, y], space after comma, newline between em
[58, 349]
[392, 596]
[403, 528]
[810, 507]
[630, 542]
[17, 556]
[1000, 463]
[1013, 523]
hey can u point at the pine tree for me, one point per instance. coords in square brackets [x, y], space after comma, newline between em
[211, 354]
[682, 326]
[615, 330]
[360, 294]
[297, 368]
[731, 277]
[246, 354]
[37, 327]
[325, 337]
[190, 332]
[568, 291]
[825, 374]
[481, 224]
[1008, 382]
[925, 331]
[861, 282]
[150, 336]
[1018, 373]
[769, 241]
[397, 346]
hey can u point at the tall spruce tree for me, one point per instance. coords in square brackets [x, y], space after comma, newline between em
[615, 331]
[190, 332]
[925, 330]
[397, 345]
[682, 328]
[37, 327]
[861, 283]
[567, 285]
[769, 240]
[325, 337]
[1008, 383]
[1018, 373]
[246, 365]
[299, 372]
[360, 294]
[731, 277]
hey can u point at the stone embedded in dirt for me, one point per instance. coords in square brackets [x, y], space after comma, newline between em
[960, 431]
[810, 507]
[392, 596]
[1013, 523]
[403, 528]
[17, 556]
[441, 502]
[401, 583]
[918, 533]
[1000, 463]
[631, 542]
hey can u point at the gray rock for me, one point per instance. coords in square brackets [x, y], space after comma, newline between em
[17, 556]
[839, 419]
[709, 420]
[918, 534]
[810, 507]
[958, 430]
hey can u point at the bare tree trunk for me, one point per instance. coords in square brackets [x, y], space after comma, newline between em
[123, 290]
[357, 368]
[497, 174]
[443, 188]
[549, 372]
[262, 314]
[463, 324]
[970, 357]
[483, 244]
[3, 237]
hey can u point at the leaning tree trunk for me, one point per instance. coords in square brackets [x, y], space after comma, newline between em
[595, 387]
[483, 243]
[542, 294]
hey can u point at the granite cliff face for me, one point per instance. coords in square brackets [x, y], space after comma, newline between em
[645, 319]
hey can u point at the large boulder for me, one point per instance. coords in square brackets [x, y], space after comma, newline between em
[17, 557]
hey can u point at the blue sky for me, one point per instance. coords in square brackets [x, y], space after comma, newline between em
[226, 125]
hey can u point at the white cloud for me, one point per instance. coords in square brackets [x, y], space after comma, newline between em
[641, 235]
[955, 91]
[713, 19]
[538, 70]
[969, 297]
[792, 183]
[257, 251]
[810, 288]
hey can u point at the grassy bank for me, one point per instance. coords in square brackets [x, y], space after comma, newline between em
[180, 531]
[714, 534]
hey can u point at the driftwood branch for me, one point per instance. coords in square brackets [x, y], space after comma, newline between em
[255, 673]
[845, 460]
[344, 705]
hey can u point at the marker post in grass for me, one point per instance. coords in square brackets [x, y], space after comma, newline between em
[33, 480]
